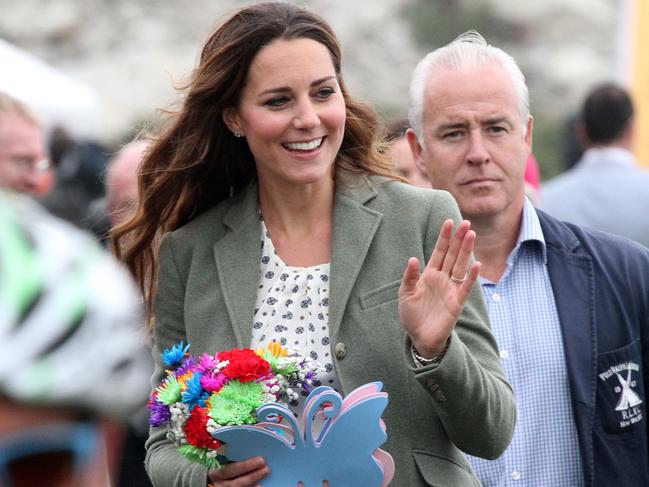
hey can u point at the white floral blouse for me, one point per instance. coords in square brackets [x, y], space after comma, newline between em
[292, 308]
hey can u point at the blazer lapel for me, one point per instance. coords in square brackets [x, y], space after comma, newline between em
[354, 227]
[237, 255]
[571, 276]
[237, 258]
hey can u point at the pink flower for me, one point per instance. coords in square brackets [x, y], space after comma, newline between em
[212, 382]
[207, 363]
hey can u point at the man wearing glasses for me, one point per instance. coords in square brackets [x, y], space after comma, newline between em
[23, 162]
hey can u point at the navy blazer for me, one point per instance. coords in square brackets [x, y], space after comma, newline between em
[601, 288]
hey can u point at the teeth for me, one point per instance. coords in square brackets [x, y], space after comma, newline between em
[305, 145]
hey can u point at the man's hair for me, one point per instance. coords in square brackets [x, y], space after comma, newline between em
[606, 113]
[469, 50]
[9, 104]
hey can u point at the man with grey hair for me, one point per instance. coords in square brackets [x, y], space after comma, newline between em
[23, 161]
[569, 306]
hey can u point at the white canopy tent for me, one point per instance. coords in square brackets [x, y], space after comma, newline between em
[55, 97]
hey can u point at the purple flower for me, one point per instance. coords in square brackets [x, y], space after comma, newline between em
[213, 382]
[158, 412]
[186, 364]
[310, 375]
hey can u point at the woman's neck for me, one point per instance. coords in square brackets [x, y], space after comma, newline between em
[296, 209]
[300, 222]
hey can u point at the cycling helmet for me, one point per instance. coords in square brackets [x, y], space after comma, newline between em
[70, 321]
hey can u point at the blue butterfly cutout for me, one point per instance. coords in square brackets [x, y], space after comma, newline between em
[339, 451]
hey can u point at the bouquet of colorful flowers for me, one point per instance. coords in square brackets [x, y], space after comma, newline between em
[200, 395]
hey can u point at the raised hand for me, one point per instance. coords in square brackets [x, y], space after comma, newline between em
[431, 303]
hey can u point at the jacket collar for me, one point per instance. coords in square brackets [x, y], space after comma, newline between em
[354, 227]
[570, 269]
[237, 257]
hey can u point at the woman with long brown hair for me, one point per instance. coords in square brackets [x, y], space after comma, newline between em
[267, 213]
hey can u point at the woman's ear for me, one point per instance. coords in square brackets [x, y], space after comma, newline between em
[231, 120]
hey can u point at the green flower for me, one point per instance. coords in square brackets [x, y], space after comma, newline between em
[236, 403]
[286, 368]
[170, 391]
[272, 359]
[199, 455]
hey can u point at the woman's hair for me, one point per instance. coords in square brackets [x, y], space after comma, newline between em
[469, 50]
[196, 162]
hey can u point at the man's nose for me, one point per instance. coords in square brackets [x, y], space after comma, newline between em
[32, 179]
[477, 153]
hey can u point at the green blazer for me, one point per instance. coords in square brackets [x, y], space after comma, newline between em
[209, 271]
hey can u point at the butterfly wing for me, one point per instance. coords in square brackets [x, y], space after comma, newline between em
[387, 465]
[350, 441]
[280, 455]
[347, 454]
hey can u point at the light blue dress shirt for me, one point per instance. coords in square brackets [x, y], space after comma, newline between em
[544, 451]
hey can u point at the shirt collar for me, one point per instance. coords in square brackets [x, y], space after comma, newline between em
[530, 232]
[608, 154]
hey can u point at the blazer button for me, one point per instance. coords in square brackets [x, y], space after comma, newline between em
[340, 349]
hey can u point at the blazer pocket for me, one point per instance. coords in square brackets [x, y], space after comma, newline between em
[439, 471]
[381, 295]
[620, 390]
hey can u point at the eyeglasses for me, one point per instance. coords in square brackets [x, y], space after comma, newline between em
[26, 165]
[52, 454]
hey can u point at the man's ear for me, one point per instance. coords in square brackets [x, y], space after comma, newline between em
[231, 120]
[529, 132]
[417, 151]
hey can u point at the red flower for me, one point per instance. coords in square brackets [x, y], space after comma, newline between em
[196, 430]
[244, 365]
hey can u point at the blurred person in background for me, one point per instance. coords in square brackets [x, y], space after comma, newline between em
[24, 166]
[120, 203]
[72, 359]
[121, 190]
[272, 169]
[121, 182]
[607, 189]
[78, 169]
[569, 306]
[401, 156]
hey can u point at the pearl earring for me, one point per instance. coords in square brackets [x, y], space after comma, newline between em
[237, 134]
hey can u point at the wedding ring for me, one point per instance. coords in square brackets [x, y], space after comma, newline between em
[457, 280]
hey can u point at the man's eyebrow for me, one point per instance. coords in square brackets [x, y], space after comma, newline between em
[497, 121]
[451, 126]
[285, 89]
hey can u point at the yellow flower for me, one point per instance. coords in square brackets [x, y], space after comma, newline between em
[276, 349]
